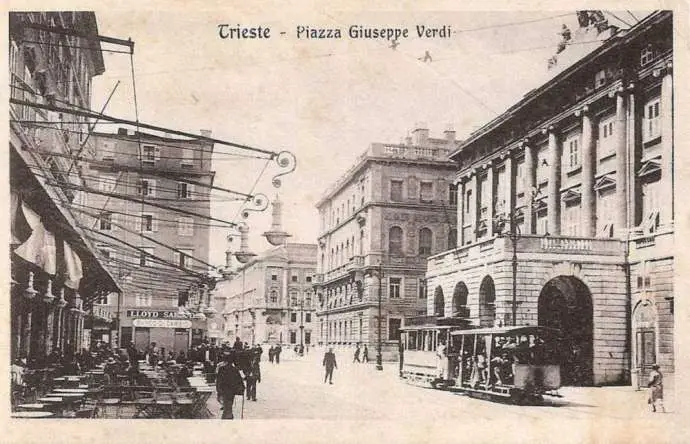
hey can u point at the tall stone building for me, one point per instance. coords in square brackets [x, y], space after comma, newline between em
[270, 299]
[579, 174]
[379, 222]
[148, 210]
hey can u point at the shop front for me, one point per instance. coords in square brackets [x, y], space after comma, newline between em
[171, 330]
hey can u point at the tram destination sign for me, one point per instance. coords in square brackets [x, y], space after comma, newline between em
[157, 314]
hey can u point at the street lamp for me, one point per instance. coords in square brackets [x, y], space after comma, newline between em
[513, 234]
[378, 271]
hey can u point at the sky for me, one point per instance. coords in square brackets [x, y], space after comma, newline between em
[323, 100]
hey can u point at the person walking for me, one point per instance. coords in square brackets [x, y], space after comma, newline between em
[365, 354]
[656, 389]
[356, 358]
[253, 376]
[271, 354]
[330, 364]
[228, 384]
[277, 351]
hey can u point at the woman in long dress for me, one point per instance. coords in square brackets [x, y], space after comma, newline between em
[656, 389]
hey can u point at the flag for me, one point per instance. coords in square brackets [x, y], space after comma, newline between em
[73, 270]
[39, 248]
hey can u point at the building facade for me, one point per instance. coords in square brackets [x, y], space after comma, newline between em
[270, 300]
[57, 275]
[379, 222]
[579, 174]
[148, 210]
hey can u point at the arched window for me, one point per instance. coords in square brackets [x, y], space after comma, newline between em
[439, 302]
[395, 238]
[460, 300]
[424, 242]
[452, 238]
[487, 302]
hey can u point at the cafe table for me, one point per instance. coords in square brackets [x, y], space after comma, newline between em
[31, 406]
[32, 414]
[71, 390]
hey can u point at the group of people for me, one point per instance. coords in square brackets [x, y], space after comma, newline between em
[365, 354]
[274, 354]
[238, 365]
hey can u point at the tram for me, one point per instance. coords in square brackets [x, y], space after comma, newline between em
[518, 364]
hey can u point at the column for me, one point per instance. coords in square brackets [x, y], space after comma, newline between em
[588, 212]
[476, 206]
[530, 185]
[554, 187]
[621, 163]
[50, 316]
[490, 188]
[666, 116]
[459, 239]
[510, 182]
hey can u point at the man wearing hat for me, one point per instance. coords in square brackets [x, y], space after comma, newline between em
[228, 383]
[656, 389]
[330, 364]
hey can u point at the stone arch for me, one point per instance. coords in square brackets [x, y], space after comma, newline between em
[487, 302]
[439, 302]
[565, 303]
[459, 307]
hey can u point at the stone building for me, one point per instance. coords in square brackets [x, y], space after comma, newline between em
[580, 172]
[57, 275]
[378, 223]
[270, 299]
[148, 208]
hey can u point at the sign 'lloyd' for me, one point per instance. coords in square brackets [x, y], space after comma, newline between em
[157, 314]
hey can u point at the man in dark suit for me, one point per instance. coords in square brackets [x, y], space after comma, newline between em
[228, 384]
[330, 364]
[253, 375]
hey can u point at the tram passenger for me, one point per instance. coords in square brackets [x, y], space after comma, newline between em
[441, 359]
[483, 371]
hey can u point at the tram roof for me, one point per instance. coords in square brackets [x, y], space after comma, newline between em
[427, 327]
[524, 329]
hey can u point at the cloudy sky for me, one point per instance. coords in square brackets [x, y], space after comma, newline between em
[323, 100]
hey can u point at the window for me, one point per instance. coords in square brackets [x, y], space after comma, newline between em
[422, 289]
[187, 157]
[274, 277]
[572, 153]
[394, 284]
[646, 55]
[520, 177]
[293, 337]
[600, 78]
[146, 187]
[651, 126]
[184, 190]
[144, 299]
[183, 257]
[607, 144]
[424, 242]
[572, 219]
[293, 317]
[468, 202]
[185, 226]
[309, 277]
[293, 299]
[651, 205]
[294, 278]
[452, 194]
[395, 239]
[543, 166]
[150, 154]
[146, 256]
[149, 223]
[307, 300]
[426, 191]
[394, 325]
[396, 190]
[307, 317]
[102, 300]
[274, 296]
[182, 298]
[105, 222]
[605, 211]
[106, 184]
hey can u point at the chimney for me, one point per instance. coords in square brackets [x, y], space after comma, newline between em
[205, 133]
[122, 131]
[449, 133]
[421, 134]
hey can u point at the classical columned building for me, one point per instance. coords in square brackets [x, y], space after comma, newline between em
[573, 186]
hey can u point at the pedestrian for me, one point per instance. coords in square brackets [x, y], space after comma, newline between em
[153, 355]
[253, 376]
[330, 364]
[277, 351]
[656, 389]
[228, 384]
[132, 355]
[271, 354]
[356, 358]
[365, 354]
[238, 345]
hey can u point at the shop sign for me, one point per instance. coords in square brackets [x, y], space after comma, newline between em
[163, 323]
[157, 314]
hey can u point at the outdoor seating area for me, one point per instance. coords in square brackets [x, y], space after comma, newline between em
[161, 392]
